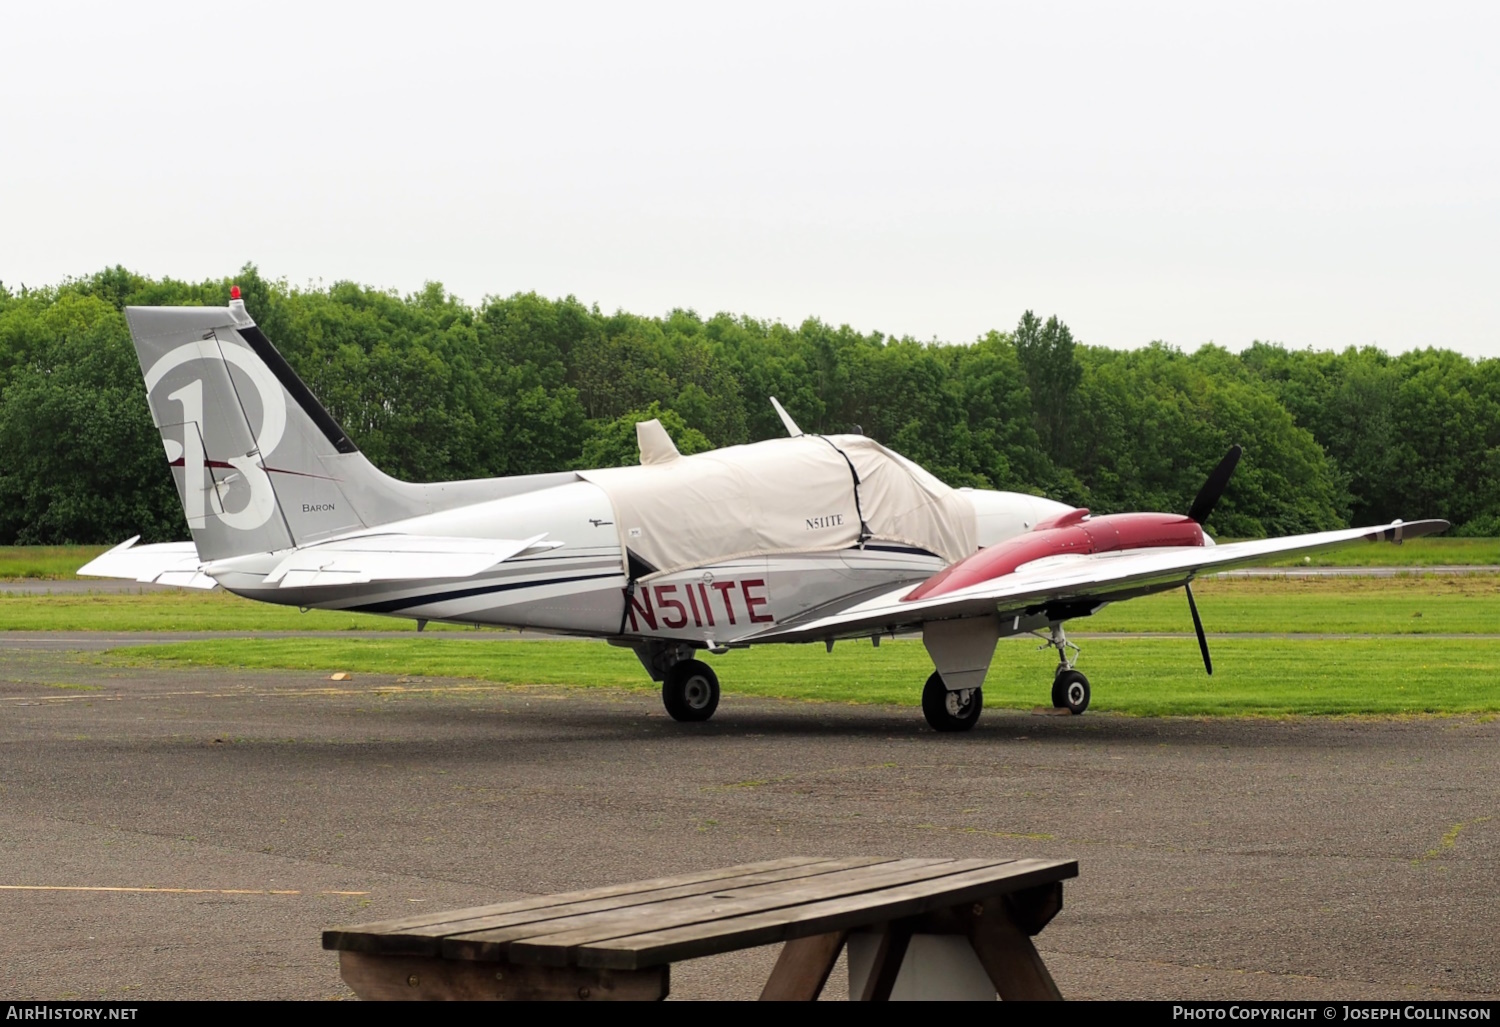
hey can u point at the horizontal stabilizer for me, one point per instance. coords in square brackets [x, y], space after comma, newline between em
[164, 563]
[353, 561]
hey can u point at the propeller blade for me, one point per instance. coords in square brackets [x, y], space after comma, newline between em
[1213, 488]
[1208, 664]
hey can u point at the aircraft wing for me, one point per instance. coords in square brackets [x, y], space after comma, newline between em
[163, 563]
[1077, 581]
[393, 557]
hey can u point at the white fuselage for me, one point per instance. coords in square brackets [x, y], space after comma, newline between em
[580, 587]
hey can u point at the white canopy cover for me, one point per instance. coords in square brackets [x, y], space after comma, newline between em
[792, 495]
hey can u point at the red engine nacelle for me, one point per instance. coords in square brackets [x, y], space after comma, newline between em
[1072, 532]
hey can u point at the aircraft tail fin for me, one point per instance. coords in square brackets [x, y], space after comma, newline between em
[260, 465]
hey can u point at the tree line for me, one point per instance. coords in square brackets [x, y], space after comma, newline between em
[431, 388]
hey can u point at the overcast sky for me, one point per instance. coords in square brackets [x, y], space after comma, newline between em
[1315, 175]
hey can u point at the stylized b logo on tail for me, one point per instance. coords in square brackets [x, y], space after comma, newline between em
[200, 493]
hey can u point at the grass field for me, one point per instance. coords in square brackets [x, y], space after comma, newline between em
[1401, 605]
[48, 562]
[1142, 677]
[59, 562]
[188, 610]
[1419, 552]
[1408, 604]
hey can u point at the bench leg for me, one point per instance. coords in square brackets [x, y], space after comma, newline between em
[1008, 956]
[889, 956]
[803, 968]
[415, 978]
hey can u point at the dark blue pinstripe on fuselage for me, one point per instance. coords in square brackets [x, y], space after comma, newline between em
[408, 602]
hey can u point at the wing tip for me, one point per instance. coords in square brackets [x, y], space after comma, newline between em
[1400, 531]
[112, 551]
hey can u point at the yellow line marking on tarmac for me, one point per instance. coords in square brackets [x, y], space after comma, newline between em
[168, 891]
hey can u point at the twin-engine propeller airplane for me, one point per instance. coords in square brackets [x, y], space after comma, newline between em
[809, 538]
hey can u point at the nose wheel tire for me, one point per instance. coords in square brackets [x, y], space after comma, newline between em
[690, 691]
[1070, 691]
[946, 710]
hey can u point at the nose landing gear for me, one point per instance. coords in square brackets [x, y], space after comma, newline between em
[1070, 689]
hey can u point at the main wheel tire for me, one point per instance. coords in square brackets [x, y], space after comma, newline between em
[947, 710]
[1070, 690]
[690, 691]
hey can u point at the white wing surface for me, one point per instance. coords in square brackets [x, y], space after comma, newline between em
[353, 561]
[164, 563]
[1072, 579]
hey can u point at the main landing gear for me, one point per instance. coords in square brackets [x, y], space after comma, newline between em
[689, 687]
[950, 709]
[1070, 689]
[690, 691]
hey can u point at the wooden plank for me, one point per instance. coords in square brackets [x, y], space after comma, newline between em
[803, 967]
[432, 941]
[403, 924]
[420, 935]
[1009, 957]
[544, 914]
[551, 943]
[890, 953]
[846, 913]
[555, 945]
[423, 978]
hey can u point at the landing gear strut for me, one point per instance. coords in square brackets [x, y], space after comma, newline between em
[1070, 689]
[950, 709]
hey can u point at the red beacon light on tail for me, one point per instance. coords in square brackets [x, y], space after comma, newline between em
[237, 312]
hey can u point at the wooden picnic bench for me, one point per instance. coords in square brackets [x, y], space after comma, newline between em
[618, 942]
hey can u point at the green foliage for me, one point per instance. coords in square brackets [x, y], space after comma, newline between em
[1046, 352]
[431, 388]
[1416, 432]
[613, 443]
[80, 460]
[1159, 420]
